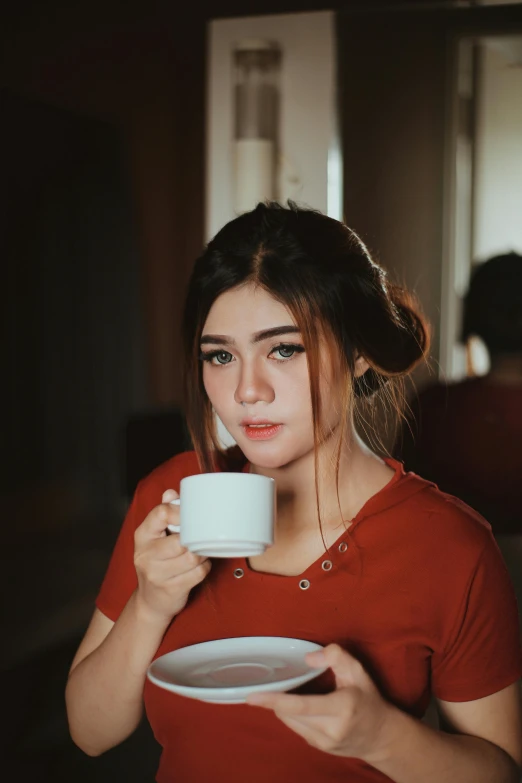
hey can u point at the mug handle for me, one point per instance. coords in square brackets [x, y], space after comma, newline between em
[174, 528]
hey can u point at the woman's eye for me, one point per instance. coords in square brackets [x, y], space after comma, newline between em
[222, 357]
[287, 351]
[217, 357]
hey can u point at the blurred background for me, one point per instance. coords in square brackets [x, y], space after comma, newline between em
[105, 204]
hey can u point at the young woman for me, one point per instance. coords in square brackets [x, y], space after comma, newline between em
[290, 331]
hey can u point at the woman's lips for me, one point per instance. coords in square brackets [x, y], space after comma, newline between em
[261, 431]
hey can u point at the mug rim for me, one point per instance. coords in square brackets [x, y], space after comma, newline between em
[228, 476]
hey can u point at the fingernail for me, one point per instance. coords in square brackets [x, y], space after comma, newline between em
[255, 699]
[168, 495]
[317, 658]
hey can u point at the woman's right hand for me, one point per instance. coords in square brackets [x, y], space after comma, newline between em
[166, 571]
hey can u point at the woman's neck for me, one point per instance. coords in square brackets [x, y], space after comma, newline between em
[361, 475]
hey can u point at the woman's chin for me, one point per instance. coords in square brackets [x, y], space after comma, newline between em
[269, 456]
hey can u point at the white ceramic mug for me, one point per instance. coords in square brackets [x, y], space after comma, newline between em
[226, 514]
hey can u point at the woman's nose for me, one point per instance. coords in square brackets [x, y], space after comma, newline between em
[253, 386]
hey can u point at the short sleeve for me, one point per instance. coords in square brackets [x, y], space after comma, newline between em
[483, 654]
[120, 579]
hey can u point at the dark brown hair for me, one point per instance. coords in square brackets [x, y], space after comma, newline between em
[322, 272]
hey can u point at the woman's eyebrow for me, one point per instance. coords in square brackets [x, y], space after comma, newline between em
[276, 331]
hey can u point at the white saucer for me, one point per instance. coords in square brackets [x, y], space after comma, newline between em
[227, 670]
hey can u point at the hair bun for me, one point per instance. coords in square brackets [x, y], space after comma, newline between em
[402, 342]
[413, 338]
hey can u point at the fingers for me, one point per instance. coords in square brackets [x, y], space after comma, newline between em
[168, 550]
[194, 576]
[169, 495]
[293, 705]
[160, 572]
[309, 733]
[155, 523]
[316, 659]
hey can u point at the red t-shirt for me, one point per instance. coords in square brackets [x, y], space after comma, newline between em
[420, 595]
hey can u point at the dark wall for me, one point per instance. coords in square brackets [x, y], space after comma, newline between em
[74, 345]
[140, 69]
[393, 74]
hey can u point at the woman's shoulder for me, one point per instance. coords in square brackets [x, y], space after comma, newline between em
[449, 519]
[412, 497]
[434, 533]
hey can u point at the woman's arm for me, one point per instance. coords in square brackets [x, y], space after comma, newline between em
[482, 743]
[104, 693]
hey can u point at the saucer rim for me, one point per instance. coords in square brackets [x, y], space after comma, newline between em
[238, 690]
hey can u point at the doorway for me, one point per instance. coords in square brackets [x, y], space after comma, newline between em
[483, 180]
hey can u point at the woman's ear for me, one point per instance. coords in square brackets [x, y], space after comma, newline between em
[361, 365]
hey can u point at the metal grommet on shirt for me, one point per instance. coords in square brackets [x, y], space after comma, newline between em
[343, 546]
[238, 573]
[326, 565]
[304, 584]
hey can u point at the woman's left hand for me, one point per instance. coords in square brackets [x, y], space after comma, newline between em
[354, 720]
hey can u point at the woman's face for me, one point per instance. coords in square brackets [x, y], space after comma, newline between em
[255, 373]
